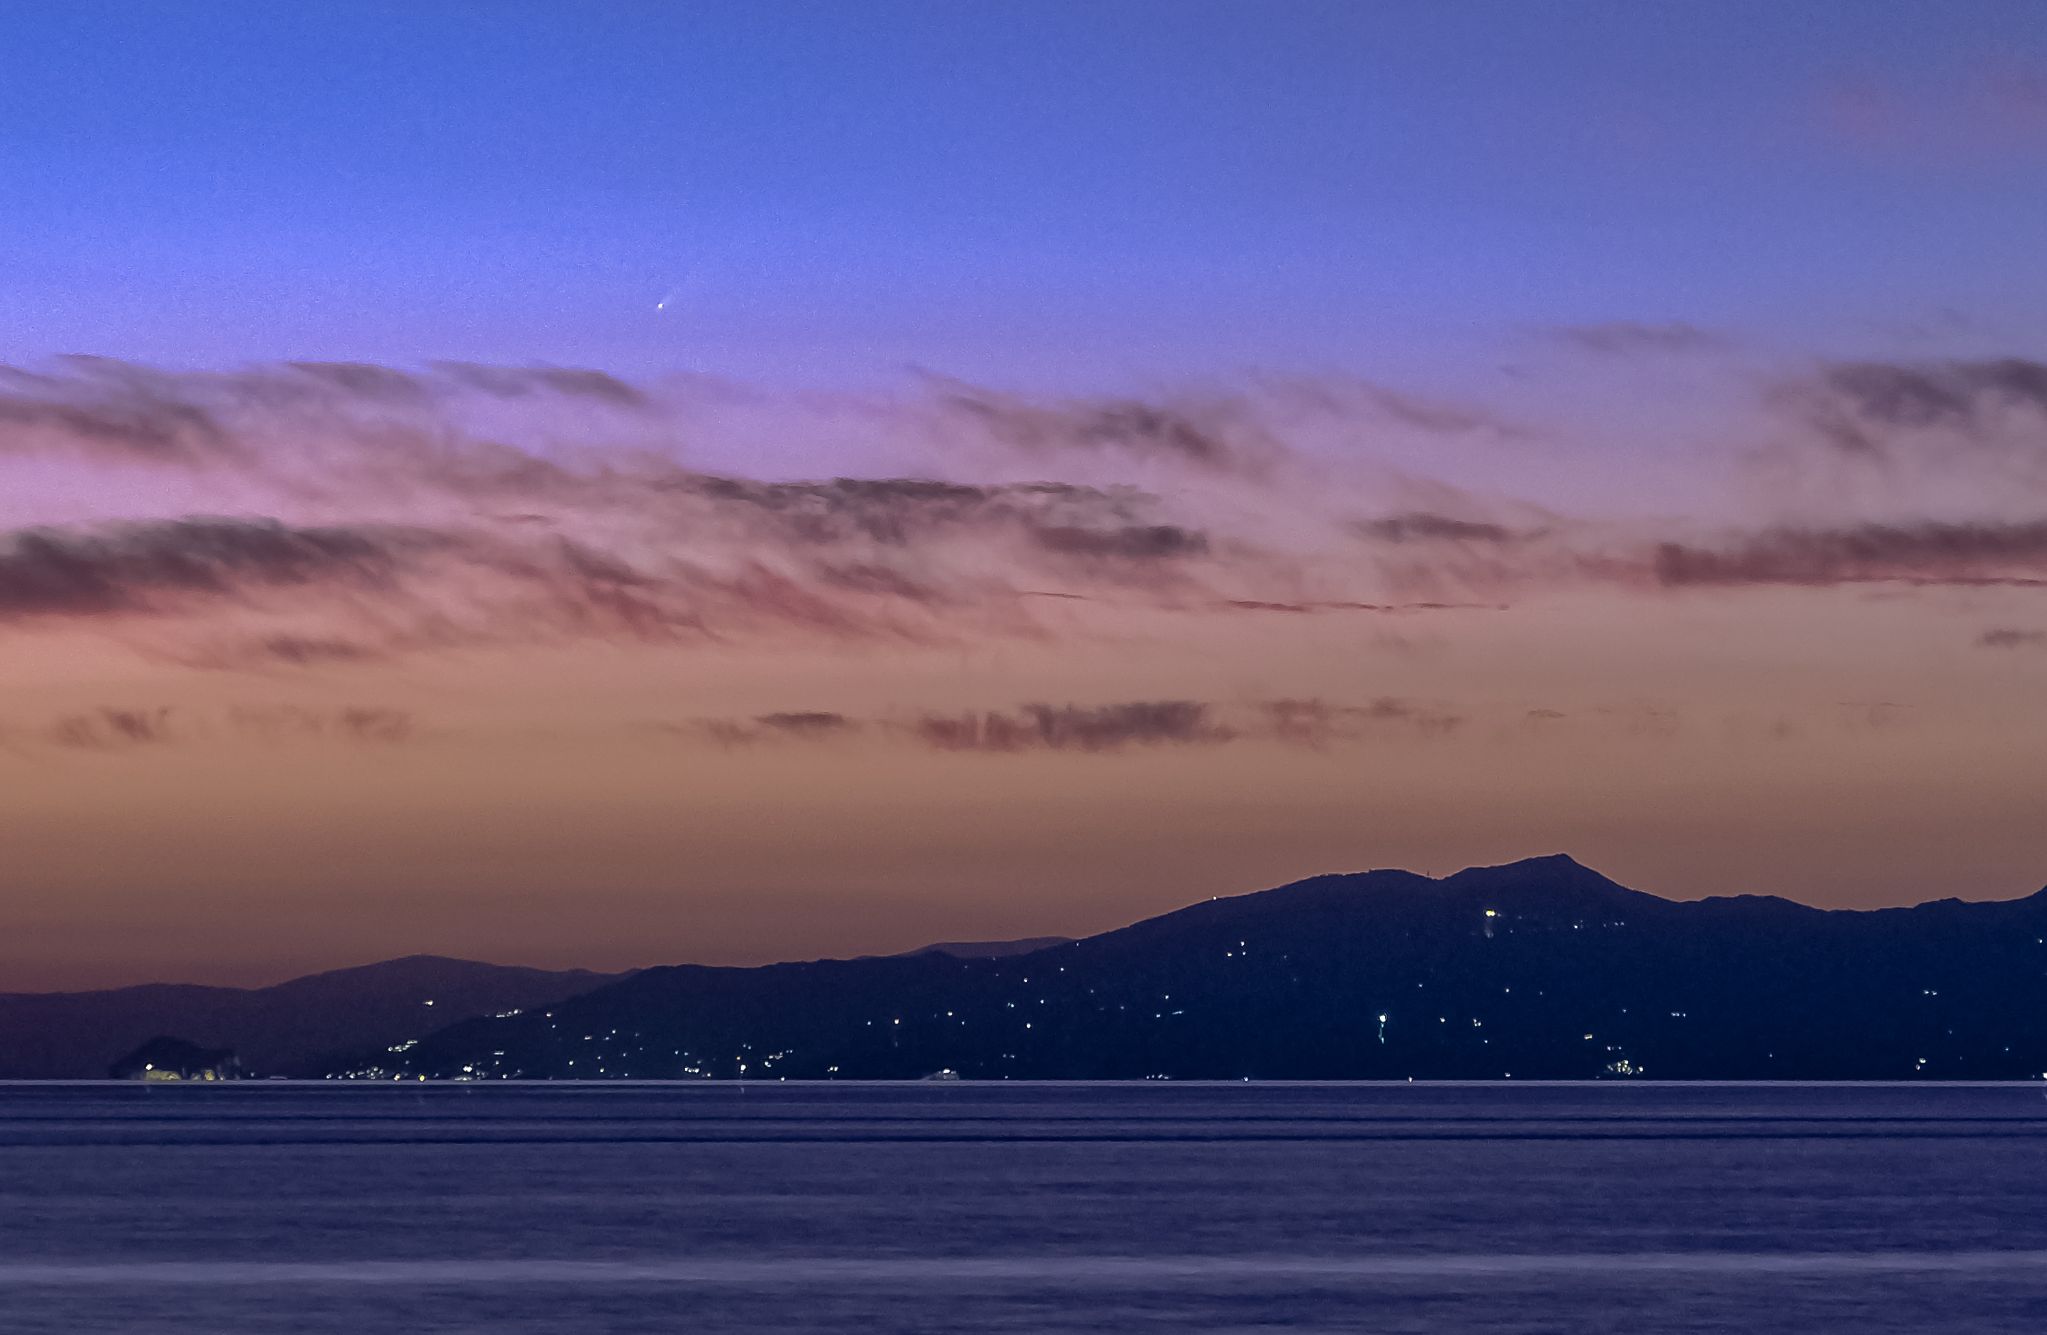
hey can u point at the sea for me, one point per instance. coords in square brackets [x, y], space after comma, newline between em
[1619, 1207]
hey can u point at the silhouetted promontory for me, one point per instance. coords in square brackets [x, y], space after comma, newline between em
[1541, 969]
[294, 1028]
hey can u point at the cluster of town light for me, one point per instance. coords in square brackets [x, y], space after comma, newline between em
[608, 1061]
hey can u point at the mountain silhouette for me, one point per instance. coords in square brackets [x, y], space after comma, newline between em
[988, 950]
[1541, 969]
[293, 1028]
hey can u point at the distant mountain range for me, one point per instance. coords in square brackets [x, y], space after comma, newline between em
[302, 1027]
[1540, 969]
[297, 1028]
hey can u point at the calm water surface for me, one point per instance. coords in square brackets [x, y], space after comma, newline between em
[947, 1207]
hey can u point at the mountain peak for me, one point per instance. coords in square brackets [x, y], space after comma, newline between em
[1549, 865]
[1543, 968]
[1556, 877]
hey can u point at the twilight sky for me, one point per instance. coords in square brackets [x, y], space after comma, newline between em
[623, 483]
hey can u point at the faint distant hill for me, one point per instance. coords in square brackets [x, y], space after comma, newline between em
[987, 950]
[289, 1029]
[1541, 969]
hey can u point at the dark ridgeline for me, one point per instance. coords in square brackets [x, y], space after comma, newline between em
[988, 950]
[294, 1028]
[1537, 970]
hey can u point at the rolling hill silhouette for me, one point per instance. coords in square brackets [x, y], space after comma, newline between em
[293, 1028]
[1541, 969]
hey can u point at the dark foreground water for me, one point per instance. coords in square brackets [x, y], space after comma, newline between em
[770, 1208]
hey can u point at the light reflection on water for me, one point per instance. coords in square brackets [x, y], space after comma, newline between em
[1023, 1208]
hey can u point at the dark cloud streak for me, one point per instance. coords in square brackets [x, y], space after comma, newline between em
[1624, 338]
[1090, 728]
[1864, 408]
[1422, 526]
[1926, 553]
[133, 567]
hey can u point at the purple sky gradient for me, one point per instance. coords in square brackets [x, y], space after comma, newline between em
[627, 483]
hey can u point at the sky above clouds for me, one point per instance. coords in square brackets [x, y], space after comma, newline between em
[661, 482]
